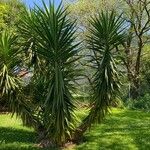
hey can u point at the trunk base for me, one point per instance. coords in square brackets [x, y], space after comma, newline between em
[79, 132]
[43, 140]
[46, 143]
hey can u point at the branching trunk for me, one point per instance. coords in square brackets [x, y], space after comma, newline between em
[133, 75]
[139, 25]
[133, 71]
[78, 134]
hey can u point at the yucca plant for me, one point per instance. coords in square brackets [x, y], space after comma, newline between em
[50, 35]
[9, 83]
[105, 34]
[11, 86]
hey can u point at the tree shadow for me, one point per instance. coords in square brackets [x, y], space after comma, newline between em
[17, 139]
[125, 130]
[10, 135]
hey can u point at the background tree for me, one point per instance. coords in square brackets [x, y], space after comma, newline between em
[138, 20]
[10, 12]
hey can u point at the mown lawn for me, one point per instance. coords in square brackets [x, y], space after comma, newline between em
[13, 136]
[123, 130]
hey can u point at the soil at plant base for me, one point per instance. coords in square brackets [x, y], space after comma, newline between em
[69, 146]
[4, 110]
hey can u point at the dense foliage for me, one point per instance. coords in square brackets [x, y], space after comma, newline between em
[10, 12]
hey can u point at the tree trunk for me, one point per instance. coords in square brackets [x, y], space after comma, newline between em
[133, 70]
[85, 125]
[134, 91]
[43, 140]
[78, 134]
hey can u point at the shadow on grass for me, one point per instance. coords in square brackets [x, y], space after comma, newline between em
[17, 139]
[10, 135]
[126, 130]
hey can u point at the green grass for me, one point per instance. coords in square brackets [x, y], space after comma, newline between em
[13, 136]
[123, 130]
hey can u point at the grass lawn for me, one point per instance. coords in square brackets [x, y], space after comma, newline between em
[123, 130]
[13, 136]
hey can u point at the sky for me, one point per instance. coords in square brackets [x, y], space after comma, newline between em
[30, 3]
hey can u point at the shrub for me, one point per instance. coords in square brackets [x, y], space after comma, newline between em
[142, 103]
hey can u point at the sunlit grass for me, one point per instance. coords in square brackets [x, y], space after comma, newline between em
[123, 130]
